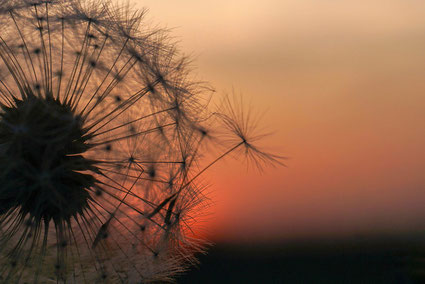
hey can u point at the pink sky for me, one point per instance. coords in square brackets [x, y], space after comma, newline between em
[343, 85]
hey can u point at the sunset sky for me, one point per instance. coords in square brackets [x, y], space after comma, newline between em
[343, 90]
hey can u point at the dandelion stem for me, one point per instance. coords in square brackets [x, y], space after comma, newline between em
[75, 66]
[25, 44]
[45, 66]
[212, 163]
[132, 135]
[50, 49]
[62, 54]
[103, 81]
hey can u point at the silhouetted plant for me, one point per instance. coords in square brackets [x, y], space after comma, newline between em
[101, 132]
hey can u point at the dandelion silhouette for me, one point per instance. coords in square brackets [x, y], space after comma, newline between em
[101, 131]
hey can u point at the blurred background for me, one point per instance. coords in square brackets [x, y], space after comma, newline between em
[342, 87]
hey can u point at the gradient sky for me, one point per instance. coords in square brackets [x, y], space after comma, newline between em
[344, 89]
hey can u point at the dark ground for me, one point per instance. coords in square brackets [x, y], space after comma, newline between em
[372, 261]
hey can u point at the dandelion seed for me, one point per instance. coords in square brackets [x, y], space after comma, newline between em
[100, 131]
[242, 132]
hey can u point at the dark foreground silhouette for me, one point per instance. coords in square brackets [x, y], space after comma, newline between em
[378, 260]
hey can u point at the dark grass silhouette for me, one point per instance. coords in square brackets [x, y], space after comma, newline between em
[103, 135]
[382, 260]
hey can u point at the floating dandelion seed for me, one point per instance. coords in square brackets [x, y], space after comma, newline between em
[100, 134]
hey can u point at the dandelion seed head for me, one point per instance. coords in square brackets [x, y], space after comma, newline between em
[101, 131]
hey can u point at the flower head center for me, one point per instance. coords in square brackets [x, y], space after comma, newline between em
[43, 172]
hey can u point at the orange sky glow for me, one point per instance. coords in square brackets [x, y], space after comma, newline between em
[342, 85]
